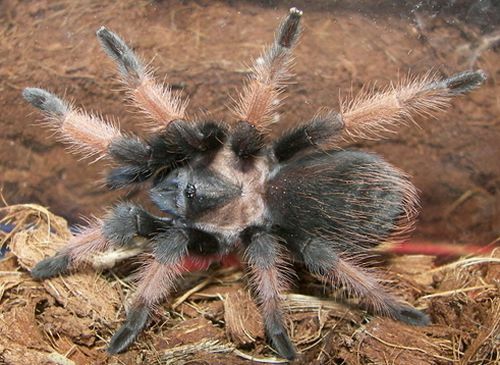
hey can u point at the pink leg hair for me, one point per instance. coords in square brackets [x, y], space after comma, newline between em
[86, 133]
[358, 282]
[156, 280]
[373, 115]
[155, 283]
[158, 102]
[88, 241]
[258, 102]
[269, 284]
[269, 277]
[83, 133]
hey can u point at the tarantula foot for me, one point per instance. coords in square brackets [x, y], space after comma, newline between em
[50, 267]
[295, 11]
[117, 49]
[465, 81]
[284, 346]
[281, 343]
[411, 316]
[136, 320]
[45, 101]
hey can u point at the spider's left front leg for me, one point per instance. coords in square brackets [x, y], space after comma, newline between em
[156, 281]
[268, 279]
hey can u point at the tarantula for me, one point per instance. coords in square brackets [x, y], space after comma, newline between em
[233, 189]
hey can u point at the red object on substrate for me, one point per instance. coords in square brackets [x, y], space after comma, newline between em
[417, 247]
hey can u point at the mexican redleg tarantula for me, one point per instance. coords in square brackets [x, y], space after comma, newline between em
[233, 189]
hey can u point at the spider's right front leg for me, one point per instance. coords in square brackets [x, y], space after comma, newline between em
[120, 228]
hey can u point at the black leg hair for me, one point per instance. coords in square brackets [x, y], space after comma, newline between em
[128, 64]
[311, 134]
[322, 261]
[179, 142]
[46, 102]
[268, 278]
[134, 157]
[461, 83]
[289, 30]
[189, 138]
[137, 320]
[123, 176]
[128, 220]
[51, 266]
[246, 140]
[130, 151]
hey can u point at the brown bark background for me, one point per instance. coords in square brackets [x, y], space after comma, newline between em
[204, 47]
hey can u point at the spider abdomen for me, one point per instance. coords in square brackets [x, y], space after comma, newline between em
[353, 199]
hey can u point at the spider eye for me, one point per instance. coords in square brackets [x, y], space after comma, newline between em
[190, 191]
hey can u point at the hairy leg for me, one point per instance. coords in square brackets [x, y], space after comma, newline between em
[83, 133]
[158, 102]
[332, 269]
[156, 281]
[259, 100]
[177, 144]
[374, 115]
[246, 141]
[268, 279]
[89, 135]
[321, 131]
[121, 227]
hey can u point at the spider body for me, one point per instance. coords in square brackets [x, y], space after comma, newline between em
[231, 190]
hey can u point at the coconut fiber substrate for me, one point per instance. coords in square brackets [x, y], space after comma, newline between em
[211, 318]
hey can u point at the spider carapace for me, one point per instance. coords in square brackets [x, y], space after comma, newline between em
[233, 188]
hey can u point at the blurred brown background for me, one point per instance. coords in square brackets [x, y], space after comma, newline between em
[204, 46]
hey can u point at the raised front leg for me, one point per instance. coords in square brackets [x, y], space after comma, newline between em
[269, 277]
[258, 102]
[158, 102]
[376, 115]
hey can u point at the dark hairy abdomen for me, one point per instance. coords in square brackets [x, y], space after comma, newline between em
[353, 199]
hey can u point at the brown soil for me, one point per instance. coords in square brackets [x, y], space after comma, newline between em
[212, 319]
